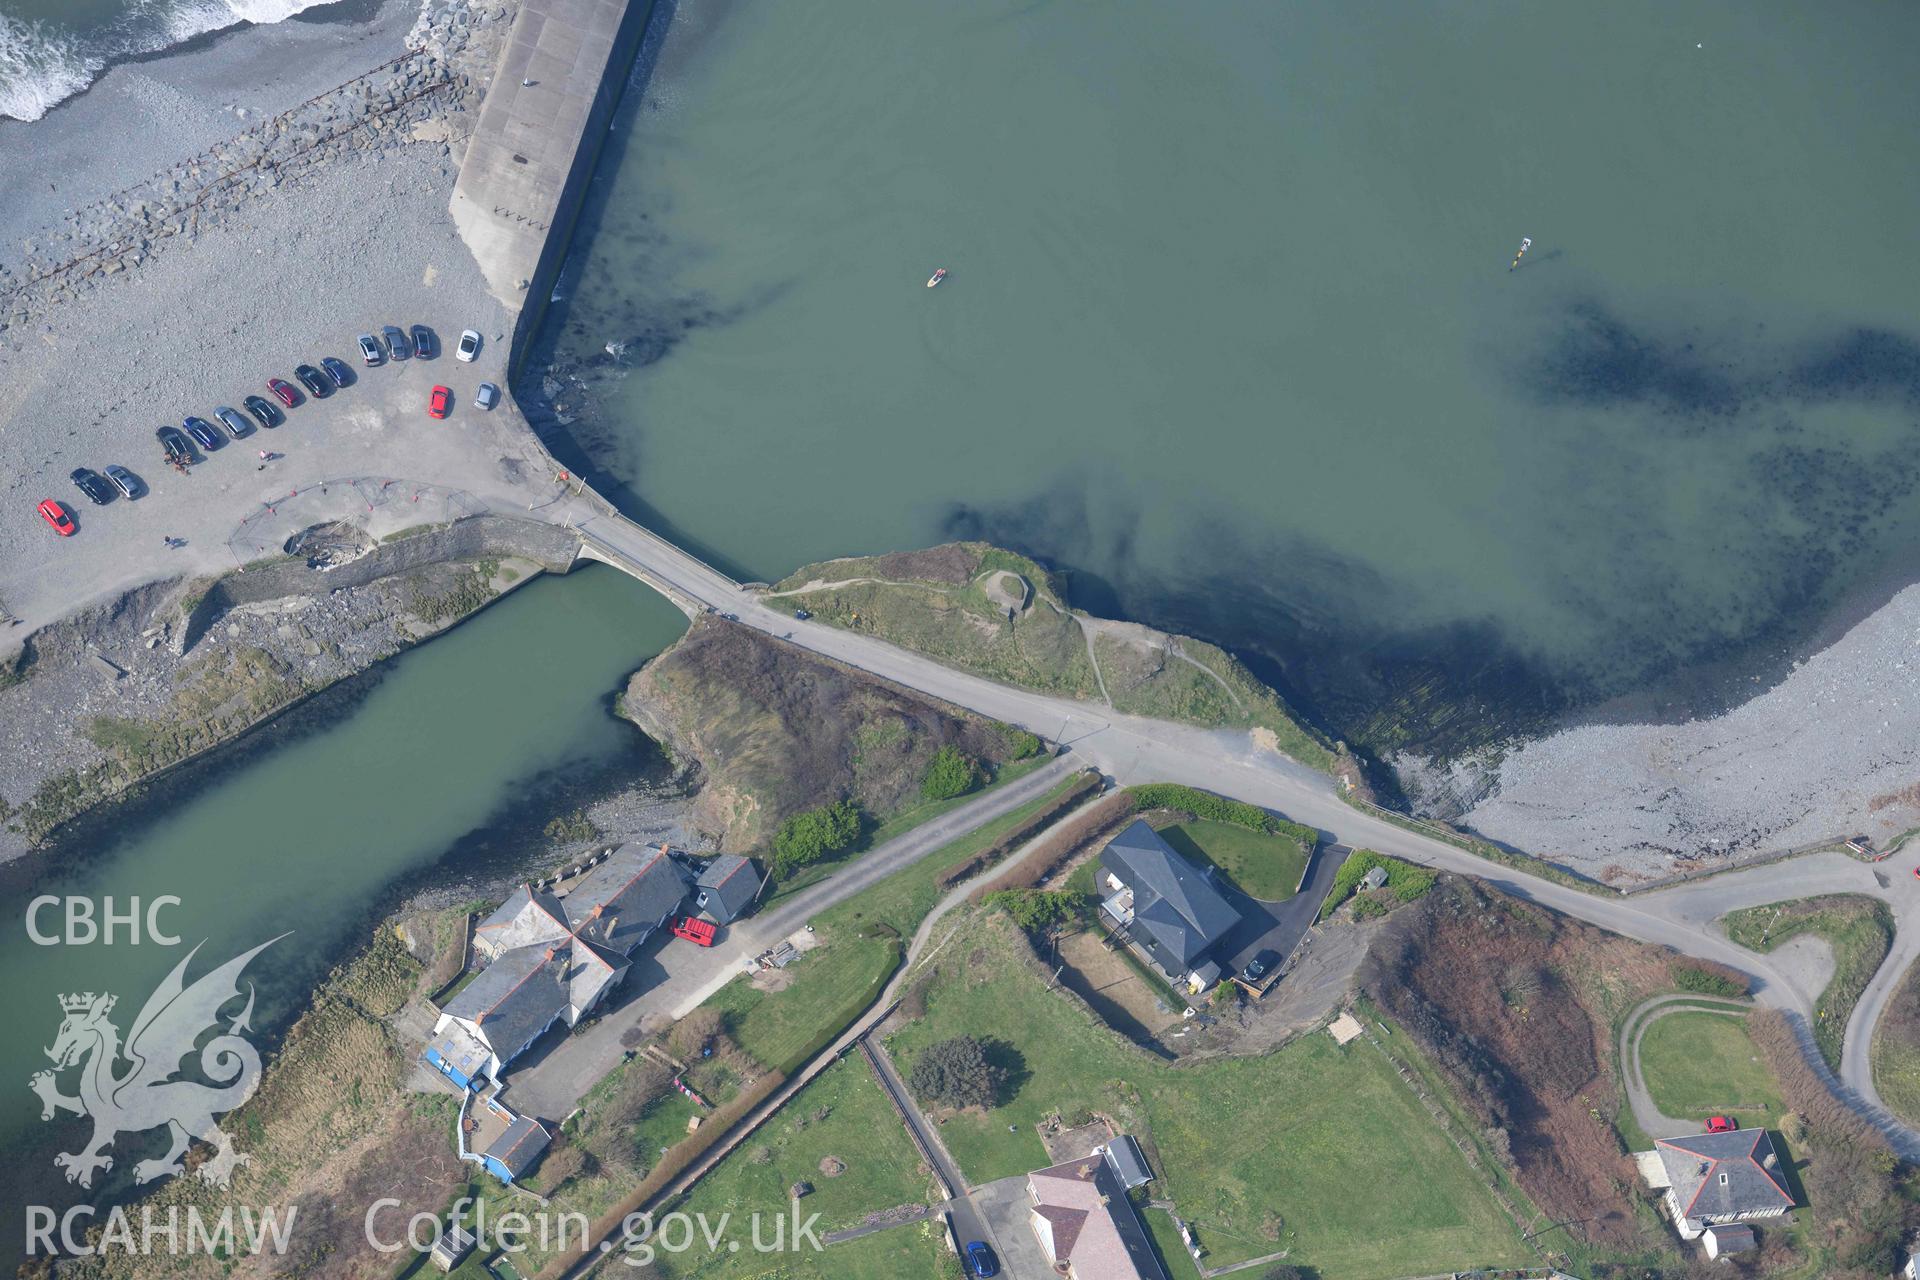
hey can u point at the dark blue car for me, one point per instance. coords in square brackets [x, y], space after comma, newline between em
[980, 1260]
[203, 433]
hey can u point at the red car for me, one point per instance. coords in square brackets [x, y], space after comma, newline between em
[694, 930]
[56, 515]
[1720, 1124]
[283, 389]
[439, 402]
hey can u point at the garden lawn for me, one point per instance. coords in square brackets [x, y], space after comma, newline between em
[1314, 1148]
[862, 941]
[860, 1129]
[1699, 1064]
[1265, 866]
[1858, 928]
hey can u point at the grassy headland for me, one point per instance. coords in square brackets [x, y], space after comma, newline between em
[1000, 615]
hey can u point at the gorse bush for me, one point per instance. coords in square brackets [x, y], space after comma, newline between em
[1036, 910]
[950, 773]
[1709, 979]
[817, 834]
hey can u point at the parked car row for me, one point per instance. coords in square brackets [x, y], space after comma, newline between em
[177, 444]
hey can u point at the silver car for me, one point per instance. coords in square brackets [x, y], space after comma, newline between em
[123, 480]
[370, 350]
[236, 425]
[488, 397]
[396, 338]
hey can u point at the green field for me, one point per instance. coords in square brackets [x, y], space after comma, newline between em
[1858, 928]
[1314, 1148]
[843, 1115]
[1264, 866]
[1699, 1064]
[862, 941]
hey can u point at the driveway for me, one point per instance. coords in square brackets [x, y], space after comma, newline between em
[1002, 1209]
[1279, 926]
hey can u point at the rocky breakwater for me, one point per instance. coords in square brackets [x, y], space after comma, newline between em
[114, 695]
[427, 97]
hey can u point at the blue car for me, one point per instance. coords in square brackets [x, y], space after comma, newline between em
[980, 1261]
[203, 433]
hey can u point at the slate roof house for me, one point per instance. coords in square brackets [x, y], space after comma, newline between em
[1716, 1178]
[1086, 1224]
[726, 888]
[552, 959]
[1165, 904]
[516, 1151]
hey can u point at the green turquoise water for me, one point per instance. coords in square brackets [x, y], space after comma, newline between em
[1230, 331]
[438, 768]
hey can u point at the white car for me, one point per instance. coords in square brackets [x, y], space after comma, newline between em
[469, 346]
[489, 396]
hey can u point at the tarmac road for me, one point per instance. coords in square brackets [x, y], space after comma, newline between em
[1135, 749]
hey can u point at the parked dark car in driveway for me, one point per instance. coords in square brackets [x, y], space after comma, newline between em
[98, 491]
[1261, 965]
[264, 410]
[203, 433]
[318, 385]
[175, 444]
[338, 371]
[424, 344]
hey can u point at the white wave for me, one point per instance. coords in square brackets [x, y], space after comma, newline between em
[42, 65]
[38, 68]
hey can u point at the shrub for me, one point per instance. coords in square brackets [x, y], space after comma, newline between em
[817, 834]
[1709, 979]
[1405, 880]
[1368, 907]
[1037, 910]
[950, 773]
[958, 1073]
[1062, 841]
[1021, 745]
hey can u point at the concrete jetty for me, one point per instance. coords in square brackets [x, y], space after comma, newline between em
[532, 153]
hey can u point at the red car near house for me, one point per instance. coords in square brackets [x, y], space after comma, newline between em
[439, 402]
[1720, 1124]
[694, 930]
[56, 515]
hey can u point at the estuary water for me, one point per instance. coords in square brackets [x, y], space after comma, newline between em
[1230, 332]
[439, 767]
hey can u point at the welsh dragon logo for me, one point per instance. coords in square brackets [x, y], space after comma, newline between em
[146, 1094]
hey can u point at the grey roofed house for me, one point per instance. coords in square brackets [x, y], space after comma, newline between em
[1722, 1177]
[626, 897]
[518, 1149]
[1129, 1163]
[1166, 904]
[727, 887]
[529, 917]
[511, 1001]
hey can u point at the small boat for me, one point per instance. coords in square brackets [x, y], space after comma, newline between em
[936, 277]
